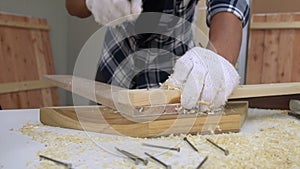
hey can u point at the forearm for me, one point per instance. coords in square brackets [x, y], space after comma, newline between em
[225, 35]
[77, 8]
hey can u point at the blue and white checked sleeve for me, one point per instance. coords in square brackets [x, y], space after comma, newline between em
[240, 8]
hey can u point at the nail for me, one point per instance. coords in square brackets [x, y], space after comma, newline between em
[145, 161]
[202, 162]
[226, 152]
[162, 147]
[136, 161]
[159, 161]
[185, 139]
[67, 165]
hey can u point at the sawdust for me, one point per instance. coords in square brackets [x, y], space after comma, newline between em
[273, 147]
[276, 146]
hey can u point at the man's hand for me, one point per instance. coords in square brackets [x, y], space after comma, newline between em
[204, 77]
[106, 11]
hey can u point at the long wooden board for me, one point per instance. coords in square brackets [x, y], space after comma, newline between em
[104, 94]
[105, 120]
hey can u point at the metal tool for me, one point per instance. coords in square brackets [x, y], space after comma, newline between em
[202, 162]
[226, 152]
[185, 139]
[162, 147]
[67, 165]
[159, 161]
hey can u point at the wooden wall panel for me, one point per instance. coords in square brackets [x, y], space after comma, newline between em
[296, 53]
[272, 6]
[255, 53]
[274, 54]
[25, 55]
[285, 49]
[271, 51]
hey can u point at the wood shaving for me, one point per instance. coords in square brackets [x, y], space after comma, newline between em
[276, 146]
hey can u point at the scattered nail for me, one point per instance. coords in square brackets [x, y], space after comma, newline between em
[159, 161]
[226, 152]
[136, 161]
[67, 165]
[202, 162]
[162, 147]
[185, 139]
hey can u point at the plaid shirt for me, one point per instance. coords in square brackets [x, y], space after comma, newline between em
[142, 53]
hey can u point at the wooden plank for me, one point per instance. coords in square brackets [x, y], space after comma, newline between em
[102, 93]
[274, 102]
[25, 66]
[274, 6]
[105, 120]
[141, 97]
[23, 86]
[95, 91]
[263, 90]
[295, 68]
[255, 53]
[41, 53]
[9, 100]
[285, 52]
[270, 55]
[24, 25]
[275, 25]
[16, 43]
[45, 37]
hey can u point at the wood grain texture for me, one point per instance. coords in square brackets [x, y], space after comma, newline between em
[104, 120]
[23, 86]
[255, 53]
[296, 53]
[278, 54]
[286, 68]
[275, 25]
[111, 96]
[16, 24]
[285, 52]
[25, 55]
[271, 52]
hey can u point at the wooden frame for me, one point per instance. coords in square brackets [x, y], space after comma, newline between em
[104, 120]
[275, 25]
[25, 56]
[11, 23]
[23, 86]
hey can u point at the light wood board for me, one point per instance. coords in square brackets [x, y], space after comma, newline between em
[110, 96]
[105, 120]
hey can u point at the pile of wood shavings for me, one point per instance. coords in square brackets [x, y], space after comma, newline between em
[269, 148]
[273, 147]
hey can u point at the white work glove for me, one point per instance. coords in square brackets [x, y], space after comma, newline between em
[106, 11]
[205, 78]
